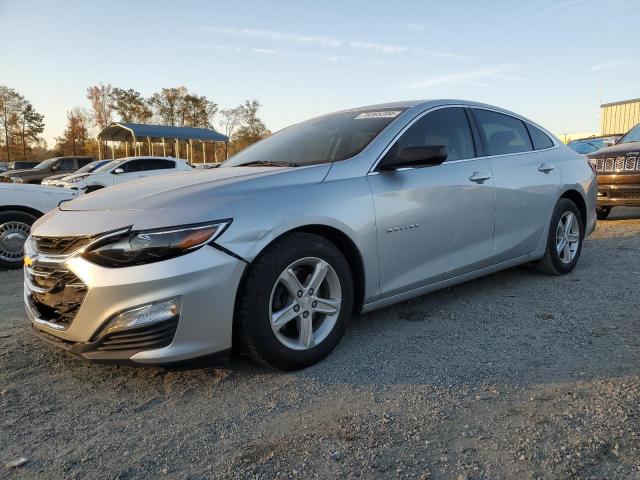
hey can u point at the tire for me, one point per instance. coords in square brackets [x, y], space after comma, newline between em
[603, 212]
[267, 290]
[14, 229]
[561, 262]
[93, 188]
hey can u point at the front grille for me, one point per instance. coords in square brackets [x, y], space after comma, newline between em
[59, 245]
[618, 165]
[54, 293]
[143, 338]
[625, 193]
[608, 165]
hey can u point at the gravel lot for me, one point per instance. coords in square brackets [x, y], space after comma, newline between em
[516, 375]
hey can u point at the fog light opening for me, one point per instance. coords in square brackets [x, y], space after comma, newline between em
[152, 313]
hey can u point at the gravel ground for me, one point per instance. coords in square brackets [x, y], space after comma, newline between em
[516, 375]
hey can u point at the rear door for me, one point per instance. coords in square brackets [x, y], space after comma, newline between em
[526, 180]
[434, 222]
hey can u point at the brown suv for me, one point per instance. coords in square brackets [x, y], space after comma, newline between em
[46, 168]
[618, 169]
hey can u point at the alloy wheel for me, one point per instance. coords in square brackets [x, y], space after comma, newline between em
[305, 303]
[567, 237]
[12, 238]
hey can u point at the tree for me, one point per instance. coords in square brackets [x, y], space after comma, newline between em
[196, 111]
[168, 104]
[75, 137]
[31, 124]
[131, 106]
[101, 104]
[11, 104]
[252, 129]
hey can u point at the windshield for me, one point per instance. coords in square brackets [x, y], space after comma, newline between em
[325, 139]
[632, 135]
[46, 164]
[90, 167]
[108, 166]
[583, 147]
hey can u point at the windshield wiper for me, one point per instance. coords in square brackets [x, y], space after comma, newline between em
[268, 163]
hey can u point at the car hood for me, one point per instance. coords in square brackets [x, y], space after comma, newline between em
[173, 199]
[24, 171]
[19, 172]
[57, 177]
[619, 149]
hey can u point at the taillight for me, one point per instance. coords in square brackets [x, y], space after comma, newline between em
[592, 164]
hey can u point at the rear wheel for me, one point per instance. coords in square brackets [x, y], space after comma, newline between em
[564, 242]
[14, 230]
[603, 212]
[294, 303]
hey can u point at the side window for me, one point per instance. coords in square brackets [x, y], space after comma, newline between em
[540, 139]
[503, 134]
[157, 164]
[67, 164]
[84, 161]
[132, 166]
[448, 127]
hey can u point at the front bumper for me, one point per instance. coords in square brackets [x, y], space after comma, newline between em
[206, 280]
[619, 195]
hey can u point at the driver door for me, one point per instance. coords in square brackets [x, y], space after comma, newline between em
[437, 222]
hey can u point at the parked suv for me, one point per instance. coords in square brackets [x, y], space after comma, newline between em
[274, 250]
[123, 170]
[618, 169]
[46, 168]
[55, 180]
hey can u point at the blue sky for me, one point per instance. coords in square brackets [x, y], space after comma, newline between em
[544, 59]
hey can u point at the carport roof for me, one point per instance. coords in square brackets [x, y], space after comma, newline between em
[121, 132]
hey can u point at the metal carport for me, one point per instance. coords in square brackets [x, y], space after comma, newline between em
[136, 133]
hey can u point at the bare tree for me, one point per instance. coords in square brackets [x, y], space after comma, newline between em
[101, 105]
[11, 104]
[31, 124]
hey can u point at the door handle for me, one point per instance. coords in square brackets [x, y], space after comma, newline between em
[479, 177]
[545, 167]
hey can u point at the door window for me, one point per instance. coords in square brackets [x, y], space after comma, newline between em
[66, 164]
[448, 127]
[503, 134]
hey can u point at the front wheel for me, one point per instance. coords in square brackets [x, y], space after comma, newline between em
[564, 242]
[294, 302]
[603, 212]
[14, 230]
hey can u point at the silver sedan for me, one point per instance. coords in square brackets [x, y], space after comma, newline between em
[273, 252]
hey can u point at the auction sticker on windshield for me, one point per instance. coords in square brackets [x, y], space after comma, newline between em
[379, 114]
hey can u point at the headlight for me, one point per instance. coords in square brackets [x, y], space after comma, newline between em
[16, 179]
[75, 179]
[136, 248]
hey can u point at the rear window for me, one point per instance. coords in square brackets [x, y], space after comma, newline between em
[502, 133]
[540, 139]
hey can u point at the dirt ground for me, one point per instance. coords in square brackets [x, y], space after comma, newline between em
[516, 375]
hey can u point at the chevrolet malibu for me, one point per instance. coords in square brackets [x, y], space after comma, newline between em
[273, 252]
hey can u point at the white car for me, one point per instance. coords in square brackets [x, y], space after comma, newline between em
[123, 170]
[20, 206]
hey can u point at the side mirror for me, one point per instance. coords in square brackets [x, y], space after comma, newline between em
[55, 168]
[426, 156]
[118, 171]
